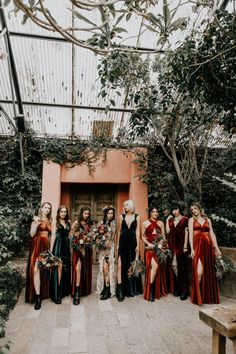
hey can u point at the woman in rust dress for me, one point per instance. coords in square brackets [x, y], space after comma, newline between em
[81, 257]
[177, 230]
[155, 279]
[38, 281]
[204, 250]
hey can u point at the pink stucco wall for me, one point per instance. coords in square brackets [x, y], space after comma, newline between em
[118, 169]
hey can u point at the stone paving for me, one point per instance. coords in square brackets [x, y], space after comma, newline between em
[168, 326]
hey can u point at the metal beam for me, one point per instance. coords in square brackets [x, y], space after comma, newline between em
[13, 72]
[58, 39]
[61, 105]
[8, 118]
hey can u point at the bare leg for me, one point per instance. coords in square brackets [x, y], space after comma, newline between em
[106, 272]
[119, 268]
[59, 269]
[153, 272]
[174, 265]
[199, 270]
[36, 279]
[78, 272]
[119, 295]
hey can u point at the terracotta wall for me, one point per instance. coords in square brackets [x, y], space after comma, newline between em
[119, 169]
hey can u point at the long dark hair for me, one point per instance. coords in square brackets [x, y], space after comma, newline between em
[80, 217]
[176, 206]
[151, 209]
[58, 215]
[105, 212]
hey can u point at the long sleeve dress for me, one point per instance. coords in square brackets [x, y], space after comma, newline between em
[207, 292]
[39, 243]
[160, 280]
[61, 249]
[107, 253]
[177, 237]
[127, 246]
[85, 258]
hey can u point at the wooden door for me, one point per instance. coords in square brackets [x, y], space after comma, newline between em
[94, 196]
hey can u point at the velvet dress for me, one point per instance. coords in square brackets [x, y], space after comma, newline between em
[85, 258]
[61, 249]
[177, 236]
[39, 243]
[207, 291]
[160, 280]
[127, 245]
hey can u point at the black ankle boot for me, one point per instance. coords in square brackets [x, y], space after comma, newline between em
[58, 296]
[37, 305]
[119, 293]
[183, 296]
[152, 292]
[106, 294]
[76, 300]
[176, 286]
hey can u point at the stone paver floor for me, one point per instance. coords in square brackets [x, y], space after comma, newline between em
[168, 326]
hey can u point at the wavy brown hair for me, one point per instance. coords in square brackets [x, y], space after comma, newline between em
[62, 206]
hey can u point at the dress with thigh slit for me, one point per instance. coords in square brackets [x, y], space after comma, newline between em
[61, 249]
[127, 246]
[85, 258]
[160, 280]
[39, 243]
[107, 255]
[207, 292]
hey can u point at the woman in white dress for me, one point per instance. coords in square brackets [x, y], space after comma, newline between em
[106, 281]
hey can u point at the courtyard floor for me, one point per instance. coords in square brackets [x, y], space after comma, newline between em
[167, 326]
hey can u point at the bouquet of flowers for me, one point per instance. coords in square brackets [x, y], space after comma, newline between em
[137, 267]
[102, 236]
[83, 238]
[161, 249]
[223, 265]
[47, 260]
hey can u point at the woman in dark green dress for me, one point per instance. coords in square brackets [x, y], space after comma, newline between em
[60, 246]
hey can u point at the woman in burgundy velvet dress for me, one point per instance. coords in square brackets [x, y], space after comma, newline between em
[177, 230]
[155, 279]
[38, 281]
[81, 258]
[204, 250]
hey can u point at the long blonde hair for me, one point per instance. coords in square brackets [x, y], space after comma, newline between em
[202, 213]
[49, 216]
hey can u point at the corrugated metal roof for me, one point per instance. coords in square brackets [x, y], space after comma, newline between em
[58, 82]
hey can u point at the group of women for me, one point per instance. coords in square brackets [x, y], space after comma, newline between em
[73, 275]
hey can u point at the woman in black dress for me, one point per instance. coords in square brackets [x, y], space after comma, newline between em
[128, 251]
[60, 246]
